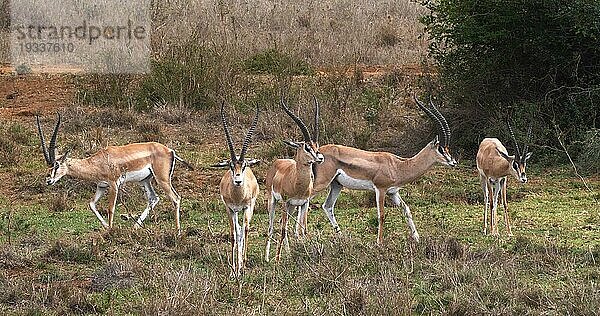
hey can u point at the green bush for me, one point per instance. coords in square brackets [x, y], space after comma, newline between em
[496, 56]
[106, 90]
[274, 62]
[187, 75]
[589, 159]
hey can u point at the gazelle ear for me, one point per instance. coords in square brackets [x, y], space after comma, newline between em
[291, 143]
[505, 156]
[527, 156]
[222, 164]
[252, 162]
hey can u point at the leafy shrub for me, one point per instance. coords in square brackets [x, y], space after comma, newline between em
[589, 159]
[274, 62]
[186, 74]
[495, 57]
[107, 90]
[387, 36]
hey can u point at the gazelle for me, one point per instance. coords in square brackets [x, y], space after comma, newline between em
[494, 165]
[381, 172]
[239, 190]
[292, 180]
[112, 166]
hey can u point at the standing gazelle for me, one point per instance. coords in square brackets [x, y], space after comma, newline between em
[112, 166]
[381, 172]
[292, 180]
[239, 190]
[494, 165]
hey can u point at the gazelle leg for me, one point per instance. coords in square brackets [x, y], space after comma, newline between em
[113, 191]
[239, 241]
[490, 189]
[301, 223]
[247, 218]
[486, 200]
[298, 223]
[334, 192]
[100, 191]
[304, 210]
[495, 207]
[380, 197]
[152, 201]
[284, 219]
[271, 204]
[506, 215]
[397, 201]
[172, 194]
[232, 238]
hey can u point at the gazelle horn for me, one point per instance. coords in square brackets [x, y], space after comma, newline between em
[298, 121]
[227, 135]
[249, 135]
[429, 113]
[316, 129]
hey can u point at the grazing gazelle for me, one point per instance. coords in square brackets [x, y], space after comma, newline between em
[381, 172]
[494, 165]
[291, 180]
[239, 190]
[112, 166]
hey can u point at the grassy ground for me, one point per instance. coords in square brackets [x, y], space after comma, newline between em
[55, 259]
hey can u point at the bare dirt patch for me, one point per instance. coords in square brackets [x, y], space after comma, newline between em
[27, 95]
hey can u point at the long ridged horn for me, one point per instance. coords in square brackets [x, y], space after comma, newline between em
[444, 122]
[52, 145]
[298, 121]
[43, 141]
[227, 135]
[528, 139]
[429, 113]
[249, 135]
[316, 129]
[512, 135]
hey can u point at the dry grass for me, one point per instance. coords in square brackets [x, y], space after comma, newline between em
[324, 33]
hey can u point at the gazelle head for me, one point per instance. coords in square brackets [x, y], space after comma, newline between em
[441, 142]
[518, 162]
[237, 164]
[307, 151]
[58, 166]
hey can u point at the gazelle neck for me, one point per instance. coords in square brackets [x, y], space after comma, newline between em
[83, 169]
[304, 176]
[414, 167]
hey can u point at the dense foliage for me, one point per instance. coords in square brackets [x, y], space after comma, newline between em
[537, 58]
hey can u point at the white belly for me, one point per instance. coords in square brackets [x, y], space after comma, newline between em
[297, 202]
[137, 175]
[352, 183]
